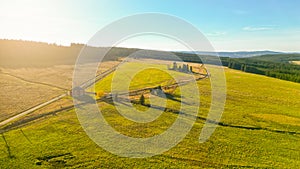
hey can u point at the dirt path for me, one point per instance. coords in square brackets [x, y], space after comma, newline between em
[31, 110]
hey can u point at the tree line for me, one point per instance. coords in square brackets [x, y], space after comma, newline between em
[283, 71]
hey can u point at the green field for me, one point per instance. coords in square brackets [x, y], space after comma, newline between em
[261, 114]
[138, 75]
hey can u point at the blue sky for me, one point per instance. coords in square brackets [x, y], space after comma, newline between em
[230, 25]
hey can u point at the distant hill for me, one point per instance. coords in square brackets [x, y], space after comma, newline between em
[17, 53]
[239, 54]
[279, 58]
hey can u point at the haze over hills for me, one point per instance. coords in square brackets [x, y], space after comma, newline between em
[238, 54]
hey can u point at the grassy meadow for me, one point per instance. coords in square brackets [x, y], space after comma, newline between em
[253, 101]
[138, 75]
[17, 95]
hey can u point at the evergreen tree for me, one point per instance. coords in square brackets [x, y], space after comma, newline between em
[142, 100]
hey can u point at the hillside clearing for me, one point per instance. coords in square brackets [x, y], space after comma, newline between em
[295, 62]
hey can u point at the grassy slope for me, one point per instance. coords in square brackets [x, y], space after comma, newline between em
[142, 77]
[248, 95]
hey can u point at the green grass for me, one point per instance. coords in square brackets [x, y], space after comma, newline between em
[137, 76]
[59, 141]
[253, 94]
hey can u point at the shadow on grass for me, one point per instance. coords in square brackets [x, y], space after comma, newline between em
[7, 147]
[174, 111]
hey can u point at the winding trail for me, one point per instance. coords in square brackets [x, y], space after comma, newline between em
[86, 85]
[106, 99]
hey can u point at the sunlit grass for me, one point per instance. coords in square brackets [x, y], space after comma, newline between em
[59, 141]
[137, 76]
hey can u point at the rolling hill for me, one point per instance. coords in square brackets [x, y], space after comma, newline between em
[19, 54]
[259, 128]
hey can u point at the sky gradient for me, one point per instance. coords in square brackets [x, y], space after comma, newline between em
[230, 25]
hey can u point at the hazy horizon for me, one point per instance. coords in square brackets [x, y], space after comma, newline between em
[233, 51]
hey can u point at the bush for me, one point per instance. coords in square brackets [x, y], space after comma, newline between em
[100, 93]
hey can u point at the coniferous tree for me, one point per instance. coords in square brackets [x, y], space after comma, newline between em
[142, 100]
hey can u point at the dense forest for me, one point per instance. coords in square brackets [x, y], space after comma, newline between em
[279, 67]
[17, 53]
[281, 58]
